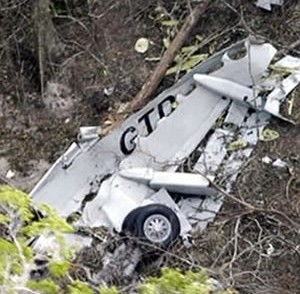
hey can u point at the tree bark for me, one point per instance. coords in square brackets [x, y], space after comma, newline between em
[48, 43]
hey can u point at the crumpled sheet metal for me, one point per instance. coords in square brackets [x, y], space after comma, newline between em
[267, 4]
[284, 87]
[162, 138]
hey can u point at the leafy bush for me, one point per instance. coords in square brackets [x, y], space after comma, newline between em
[173, 281]
[18, 223]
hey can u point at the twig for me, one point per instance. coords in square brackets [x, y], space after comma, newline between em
[253, 209]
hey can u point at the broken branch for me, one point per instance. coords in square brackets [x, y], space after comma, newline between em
[153, 81]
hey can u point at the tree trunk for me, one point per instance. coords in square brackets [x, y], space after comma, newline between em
[48, 43]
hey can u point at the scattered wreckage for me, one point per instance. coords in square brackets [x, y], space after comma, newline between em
[126, 181]
[267, 4]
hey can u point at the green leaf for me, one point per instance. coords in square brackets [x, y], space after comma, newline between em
[187, 65]
[51, 222]
[109, 290]
[174, 281]
[78, 287]
[199, 38]
[17, 201]
[268, 135]
[188, 49]
[237, 145]
[59, 269]
[170, 23]
[4, 219]
[166, 42]
[44, 286]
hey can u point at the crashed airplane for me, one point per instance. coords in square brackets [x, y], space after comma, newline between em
[127, 180]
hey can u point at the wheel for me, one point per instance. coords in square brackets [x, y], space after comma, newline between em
[129, 223]
[157, 224]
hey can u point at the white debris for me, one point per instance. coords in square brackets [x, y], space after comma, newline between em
[270, 249]
[47, 245]
[10, 174]
[141, 45]
[266, 4]
[266, 160]
[108, 91]
[89, 133]
[279, 163]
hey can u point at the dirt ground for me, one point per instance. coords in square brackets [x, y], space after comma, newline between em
[99, 56]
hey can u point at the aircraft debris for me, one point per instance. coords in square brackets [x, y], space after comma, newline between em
[10, 174]
[266, 159]
[88, 133]
[109, 91]
[186, 183]
[276, 163]
[279, 163]
[130, 176]
[267, 4]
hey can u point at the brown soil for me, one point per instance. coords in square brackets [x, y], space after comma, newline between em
[100, 54]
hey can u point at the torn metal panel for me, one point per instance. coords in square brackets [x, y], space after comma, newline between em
[213, 154]
[200, 212]
[190, 124]
[251, 67]
[267, 4]
[254, 65]
[236, 113]
[249, 133]
[116, 197]
[250, 97]
[284, 87]
[89, 133]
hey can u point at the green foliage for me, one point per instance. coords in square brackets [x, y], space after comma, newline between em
[173, 281]
[78, 287]
[16, 201]
[4, 219]
[59, 269]
[16, 213]
[51, 222]
[109, 290]
[18, 204]
[44, 286]
[10, 255]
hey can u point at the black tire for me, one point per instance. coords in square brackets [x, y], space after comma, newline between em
[129, 223]
[162, 212]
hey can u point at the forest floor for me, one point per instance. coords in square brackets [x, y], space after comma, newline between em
[100, 56]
